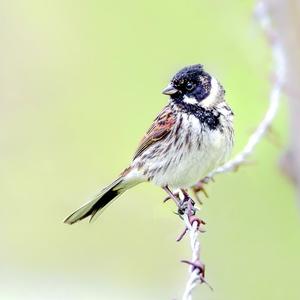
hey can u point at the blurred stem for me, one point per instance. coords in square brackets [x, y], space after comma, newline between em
[285, 15]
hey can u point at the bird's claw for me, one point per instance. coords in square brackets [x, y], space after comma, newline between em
[197, 188]
[185, 205]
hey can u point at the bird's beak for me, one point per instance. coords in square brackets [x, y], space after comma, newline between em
[169, 90]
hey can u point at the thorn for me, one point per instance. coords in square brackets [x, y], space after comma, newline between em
[199, 221]
[178, 214]
[204, 281]
[180, 237]
[243, 163]
[273, 137]
[192, 219]
[196, 265]
[200, 267]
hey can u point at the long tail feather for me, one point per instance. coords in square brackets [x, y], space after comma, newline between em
[101, 200]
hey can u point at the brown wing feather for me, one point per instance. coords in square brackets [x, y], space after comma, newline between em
[160, 128]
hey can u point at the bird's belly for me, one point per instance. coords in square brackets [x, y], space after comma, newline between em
[188, 171]
[186, 165]
[181, 160]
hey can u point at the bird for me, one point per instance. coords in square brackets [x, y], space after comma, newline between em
[190, 137]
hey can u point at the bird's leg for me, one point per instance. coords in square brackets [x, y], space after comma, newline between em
[175, 194]
[171, 195]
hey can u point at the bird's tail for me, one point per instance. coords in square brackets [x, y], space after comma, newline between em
[111, 192]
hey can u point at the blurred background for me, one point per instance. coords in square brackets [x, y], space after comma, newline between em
[80, 82]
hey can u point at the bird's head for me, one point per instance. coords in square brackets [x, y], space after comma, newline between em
[192, 85]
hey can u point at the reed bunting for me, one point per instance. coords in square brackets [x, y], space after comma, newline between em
[190, 137]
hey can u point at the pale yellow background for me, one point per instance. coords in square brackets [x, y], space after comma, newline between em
[80, 82]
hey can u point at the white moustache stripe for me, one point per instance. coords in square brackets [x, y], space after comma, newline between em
[212, 97]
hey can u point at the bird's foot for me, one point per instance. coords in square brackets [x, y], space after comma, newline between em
[197, 188]
[187, 207]
[186, 204]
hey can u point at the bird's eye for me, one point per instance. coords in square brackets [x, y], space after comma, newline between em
[189, 86]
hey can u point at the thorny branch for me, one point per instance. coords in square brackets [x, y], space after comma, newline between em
[194, 227]
[192, 223]
[274, 99]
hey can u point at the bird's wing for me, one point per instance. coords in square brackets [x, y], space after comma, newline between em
[160, 128]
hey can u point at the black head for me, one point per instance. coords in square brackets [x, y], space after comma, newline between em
[192, 82]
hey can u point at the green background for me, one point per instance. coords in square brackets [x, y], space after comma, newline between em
[80, 82]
